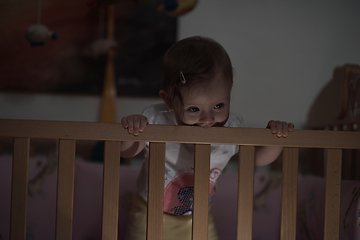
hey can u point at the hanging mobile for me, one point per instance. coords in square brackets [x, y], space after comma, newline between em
[100, 46]
[38, 33]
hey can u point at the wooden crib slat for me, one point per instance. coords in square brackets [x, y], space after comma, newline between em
[111, 190]
[19, 188]
[65, 190]
[289, 193]
[156, 191]
[201, 191]
[333, 191]
[245, 192]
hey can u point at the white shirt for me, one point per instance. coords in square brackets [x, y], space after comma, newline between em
[179, 163]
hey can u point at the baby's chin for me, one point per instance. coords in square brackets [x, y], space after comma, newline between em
[219, 124]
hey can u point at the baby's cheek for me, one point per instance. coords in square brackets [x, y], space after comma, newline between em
[221, 119]
[184, 121]
[189, 120]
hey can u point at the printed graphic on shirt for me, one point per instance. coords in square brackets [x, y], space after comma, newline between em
[214, 173]
[179, 195]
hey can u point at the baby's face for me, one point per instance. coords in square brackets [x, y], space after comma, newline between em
[205, 105]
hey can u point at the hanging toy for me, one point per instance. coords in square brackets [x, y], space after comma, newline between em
[37, 34]
[177, 8]
[100, 47]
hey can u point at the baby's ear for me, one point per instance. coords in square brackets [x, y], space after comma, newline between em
[166, 99]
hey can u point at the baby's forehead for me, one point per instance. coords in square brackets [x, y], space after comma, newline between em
[208, 85]
[206, 93]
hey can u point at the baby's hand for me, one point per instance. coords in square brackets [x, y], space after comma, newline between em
[281, 129]
[135, 124]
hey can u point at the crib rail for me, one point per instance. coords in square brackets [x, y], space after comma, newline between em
[68, 132]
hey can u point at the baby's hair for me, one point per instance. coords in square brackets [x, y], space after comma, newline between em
[196, 59]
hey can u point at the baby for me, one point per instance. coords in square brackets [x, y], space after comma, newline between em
[197, 79]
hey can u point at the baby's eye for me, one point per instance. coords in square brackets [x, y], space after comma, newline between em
[194, 109]
[218, 106]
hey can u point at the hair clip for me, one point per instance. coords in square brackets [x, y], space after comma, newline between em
[183, 80]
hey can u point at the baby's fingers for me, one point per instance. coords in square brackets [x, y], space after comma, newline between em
[273, 126]
[281, 129]
[143, 122]
[285, 129]
[130, 124]
[135, 124]
[124, 122]
[291, 127]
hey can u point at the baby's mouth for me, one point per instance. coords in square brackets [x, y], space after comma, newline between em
[205, 125]
[217, 124]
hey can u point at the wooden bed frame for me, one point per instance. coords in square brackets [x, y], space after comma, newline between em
[23, 131]
[336, 108]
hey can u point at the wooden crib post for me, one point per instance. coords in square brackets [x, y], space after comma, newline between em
[332, 195]
[65, 190]
[156, 191]
[201, 192]
[245, 192]
[289, 193]
[111, 177]
[19, 188]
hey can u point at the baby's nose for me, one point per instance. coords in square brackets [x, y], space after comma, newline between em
[207, 118]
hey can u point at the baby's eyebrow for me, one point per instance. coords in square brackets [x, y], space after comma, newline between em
[190, 105]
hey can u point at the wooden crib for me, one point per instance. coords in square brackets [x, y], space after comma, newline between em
[23, 131]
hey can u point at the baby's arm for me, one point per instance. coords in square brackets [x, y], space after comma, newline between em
[268, 154]
[135, 124]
